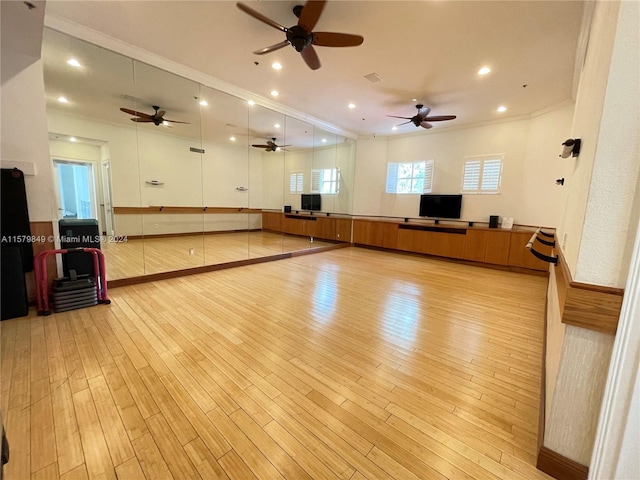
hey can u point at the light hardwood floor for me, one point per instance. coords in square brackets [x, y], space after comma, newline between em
[352, 364]
[144, 256]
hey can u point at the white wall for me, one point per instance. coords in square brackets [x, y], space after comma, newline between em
[528, 190]
[586, 125]
[24, 136]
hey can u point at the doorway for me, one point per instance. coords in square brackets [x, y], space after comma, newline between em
[75, 189]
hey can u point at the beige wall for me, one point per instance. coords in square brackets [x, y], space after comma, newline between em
[598, 227]
[531, 166]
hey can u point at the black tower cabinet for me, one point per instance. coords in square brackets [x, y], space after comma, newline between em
[13, 289]
[14, 220]
[76, 233]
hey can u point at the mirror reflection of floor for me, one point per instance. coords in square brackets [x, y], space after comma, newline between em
[154, 255]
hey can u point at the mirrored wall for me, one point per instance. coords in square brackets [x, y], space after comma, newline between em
[178, 174]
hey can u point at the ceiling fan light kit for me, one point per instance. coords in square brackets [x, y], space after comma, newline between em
[271, 146]
[156, 118]
[301, 36]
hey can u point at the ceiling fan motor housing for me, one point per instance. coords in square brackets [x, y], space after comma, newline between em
[299, 38]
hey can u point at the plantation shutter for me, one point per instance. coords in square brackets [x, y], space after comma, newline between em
[471, 176]
[316, 178]
[428, 177]
[491, 175]
[392, 177]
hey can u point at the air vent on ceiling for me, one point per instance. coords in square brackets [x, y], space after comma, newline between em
[373, 77]
[196, 150]
[129, 98]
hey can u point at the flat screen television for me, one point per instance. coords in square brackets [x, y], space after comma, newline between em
[311, 201]
[440, 206]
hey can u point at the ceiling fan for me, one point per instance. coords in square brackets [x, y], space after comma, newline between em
[157, 118]
[271, 146]
[301, 36]
[422, 119]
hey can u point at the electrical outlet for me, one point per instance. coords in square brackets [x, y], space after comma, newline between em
[192, 251]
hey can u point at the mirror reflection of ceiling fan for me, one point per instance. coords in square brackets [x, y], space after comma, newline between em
[301, 36]
[271, 146]
[422, 119]
[157, 118]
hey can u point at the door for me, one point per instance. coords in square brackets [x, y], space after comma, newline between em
[75, 189]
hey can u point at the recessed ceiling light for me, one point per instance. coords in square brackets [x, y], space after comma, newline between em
[274, 93]
[277, 125]
[73, 139]
[204, 103]
[394, 128]
[63, 100]
[73, 62]
[502, 108]
[276, 66]
[233, 139]
[165, 123]
[324, 140]
[251, 102]
[352, 106]
[414, 99]
[484, 71]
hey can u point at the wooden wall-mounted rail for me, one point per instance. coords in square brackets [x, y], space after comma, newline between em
[594, 307]
[191, 210]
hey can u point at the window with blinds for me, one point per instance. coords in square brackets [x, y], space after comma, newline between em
[415, 177]
[482, 174]
[296, 182]
[325, 180]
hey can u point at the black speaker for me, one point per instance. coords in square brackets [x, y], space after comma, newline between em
[14, 218]
[287, 209]
[493, 221]
[76, 233]
[13, 287]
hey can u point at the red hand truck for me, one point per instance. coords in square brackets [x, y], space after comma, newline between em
[42, 286]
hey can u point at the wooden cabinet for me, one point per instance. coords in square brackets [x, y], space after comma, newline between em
[377, 234]
[498, 243]
[475, 245]
[326, 228]
[343, 229]
[300, 225]
[272, 221]
[519, 256]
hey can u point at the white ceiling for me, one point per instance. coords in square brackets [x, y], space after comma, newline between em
[428, 50]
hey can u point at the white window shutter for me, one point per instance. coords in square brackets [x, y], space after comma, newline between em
[471, 176]
[491, 175]
[392, 177]
[300, 182]
[316, 177]
[428, 177]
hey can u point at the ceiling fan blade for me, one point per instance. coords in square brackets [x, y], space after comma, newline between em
[423, 112]
[133, 112]
[310, 14]
[173, 121]
[404, 118]
[160, 114]
[311, 57]
[440, 118]
[332, 39]
[260, 146]
[403, 123]
[272, 48]
[142, 120]
[259, 16]
[426, 125]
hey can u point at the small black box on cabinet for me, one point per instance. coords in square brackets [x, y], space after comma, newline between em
[287, 209]
[493, 221]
